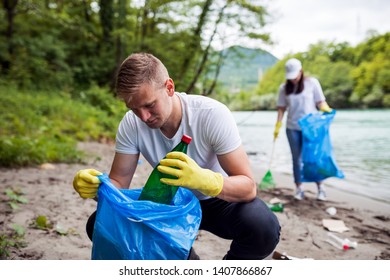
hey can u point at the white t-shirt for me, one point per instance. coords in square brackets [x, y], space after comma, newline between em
[302, 104]
[210, 124]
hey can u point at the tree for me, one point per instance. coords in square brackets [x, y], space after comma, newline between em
[372, 81]
[247, 23]
[194, 46]
[78, 44]
[349, 76]
[10, 13]
[206, 53]
[106, 14]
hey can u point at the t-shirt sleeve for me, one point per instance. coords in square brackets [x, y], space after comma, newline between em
[222, 131]
[282, 100]
[317, 91]
[126, 136]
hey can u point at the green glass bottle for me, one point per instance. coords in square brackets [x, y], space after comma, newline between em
[277, 207]
[156, 191]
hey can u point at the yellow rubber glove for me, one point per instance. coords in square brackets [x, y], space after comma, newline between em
[189, 174]
[324, 107]
[278, 125]
[86, 183]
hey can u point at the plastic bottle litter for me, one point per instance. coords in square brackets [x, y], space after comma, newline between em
[341, 243]
[156, 191]
[331, 211]
[276, 207]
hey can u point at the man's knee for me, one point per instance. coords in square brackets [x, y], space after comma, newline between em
[268, 223]
[261, 225]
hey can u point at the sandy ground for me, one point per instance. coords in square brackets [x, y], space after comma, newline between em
[50, 193]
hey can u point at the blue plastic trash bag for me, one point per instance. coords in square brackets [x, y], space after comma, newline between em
[130, 229]
[317, 151]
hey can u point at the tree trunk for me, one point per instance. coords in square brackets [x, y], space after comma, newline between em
[10, 7]
[106, 18]
[144, 25]
[193, 45]
[86, 14]
[120, 45]
[206, 52]
[221, 58]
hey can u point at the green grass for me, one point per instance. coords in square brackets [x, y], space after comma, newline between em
[11, 238]
[38, 127]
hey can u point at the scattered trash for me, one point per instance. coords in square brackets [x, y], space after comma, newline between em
[334, 225]
[279, 256]
[341, 243]
[277, 207]
[47, 166]
[283, 256]
[331, 211]
[277, 200]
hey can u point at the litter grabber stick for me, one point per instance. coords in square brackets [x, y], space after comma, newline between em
[268, 180]
[272, 154]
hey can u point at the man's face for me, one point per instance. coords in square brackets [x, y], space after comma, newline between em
[151, 104]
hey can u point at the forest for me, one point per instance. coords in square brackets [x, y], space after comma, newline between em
[58, 61]
[351, 77]
[75, 44]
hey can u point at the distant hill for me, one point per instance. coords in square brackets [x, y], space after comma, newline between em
[243, 67]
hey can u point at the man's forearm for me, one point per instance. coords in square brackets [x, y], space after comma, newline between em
[238, 188]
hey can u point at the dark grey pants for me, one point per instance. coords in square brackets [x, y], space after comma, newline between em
[252, 227]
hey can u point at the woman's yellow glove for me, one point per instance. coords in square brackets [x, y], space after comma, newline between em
[86, 183]
[278, 125]
[189, 174]
[324, 107]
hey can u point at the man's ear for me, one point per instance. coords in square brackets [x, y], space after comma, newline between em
[170, 86]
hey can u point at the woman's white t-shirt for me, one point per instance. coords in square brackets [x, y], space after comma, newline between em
[302, 104]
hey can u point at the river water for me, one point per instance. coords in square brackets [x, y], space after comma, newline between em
[361, 146]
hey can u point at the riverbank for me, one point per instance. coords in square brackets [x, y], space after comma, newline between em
[49, 192]
[360, 140]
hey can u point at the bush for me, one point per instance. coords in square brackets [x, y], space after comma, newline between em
[39, 127]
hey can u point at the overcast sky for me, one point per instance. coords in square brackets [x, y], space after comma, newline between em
[299, 23]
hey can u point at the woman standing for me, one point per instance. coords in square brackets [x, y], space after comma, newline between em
[300, 96]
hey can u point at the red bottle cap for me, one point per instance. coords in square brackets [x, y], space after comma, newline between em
[186, 139]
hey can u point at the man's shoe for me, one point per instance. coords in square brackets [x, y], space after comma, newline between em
[299, 195]
[321, 196]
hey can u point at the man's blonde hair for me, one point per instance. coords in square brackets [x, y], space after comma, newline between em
[139, 69]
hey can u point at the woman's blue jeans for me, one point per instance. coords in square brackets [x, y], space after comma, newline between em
[295, 140]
